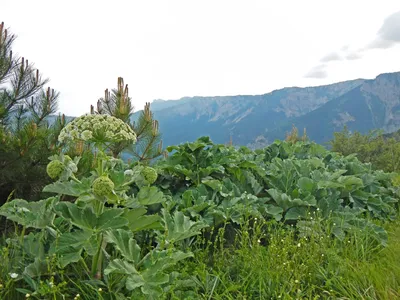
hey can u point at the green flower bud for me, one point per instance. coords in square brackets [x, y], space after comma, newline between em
[149, 174]
[67, 158]
[55, 168]
[103, 186]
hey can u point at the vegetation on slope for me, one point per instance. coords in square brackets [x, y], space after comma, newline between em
[382, 151]
[210, 221]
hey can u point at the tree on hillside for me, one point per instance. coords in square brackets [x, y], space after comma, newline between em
[293, 136]
[382, 152]
[117, 103]
[27, 140]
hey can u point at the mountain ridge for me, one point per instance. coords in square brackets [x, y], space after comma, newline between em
[221, 117]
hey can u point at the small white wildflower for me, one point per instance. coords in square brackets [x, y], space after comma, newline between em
[259, 241]
[298, 245]
[27, 295]
[317, 209]
[100, 290]
[296, 281]
[13, 275]
[322, 255]
[334, 224]
[128, 173]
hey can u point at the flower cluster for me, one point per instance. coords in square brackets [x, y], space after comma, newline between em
[142, 175]
[103, 186]
[98, 129]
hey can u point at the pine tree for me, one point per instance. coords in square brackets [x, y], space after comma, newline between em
[26, 137]
[117, 103]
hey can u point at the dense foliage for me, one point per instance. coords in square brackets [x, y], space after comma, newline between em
[382, 151]
[26, 138]
[135, 232]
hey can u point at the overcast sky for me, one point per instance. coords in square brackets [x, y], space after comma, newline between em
[168, 49]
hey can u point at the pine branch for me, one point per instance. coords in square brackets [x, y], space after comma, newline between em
[117, 103]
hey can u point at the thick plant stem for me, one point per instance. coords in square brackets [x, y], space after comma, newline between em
[100, 260]
[96, 273]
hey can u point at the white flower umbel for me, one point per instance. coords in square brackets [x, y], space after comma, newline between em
[97, 129]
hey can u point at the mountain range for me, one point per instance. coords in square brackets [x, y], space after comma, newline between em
[257, 120]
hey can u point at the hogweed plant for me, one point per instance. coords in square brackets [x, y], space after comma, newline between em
[96, 223]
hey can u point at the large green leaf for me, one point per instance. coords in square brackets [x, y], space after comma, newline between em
[110, 219]
[85, 218]
[70, 188]
[179, 227]
[37, 214]
[216, 185]
[69, 246]
[145, 223]
[286, 202]
[274, 211]
[125, 244]
[296, 213]
[306, 184]
[36, 268]
[150, 195]
[120, 266]
[139, 221]
[150, 285]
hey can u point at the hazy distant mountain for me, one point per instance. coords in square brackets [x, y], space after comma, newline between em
[374, 104]
[257, 120]
[252, 120]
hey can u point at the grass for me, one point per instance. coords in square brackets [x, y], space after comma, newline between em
[262, 260]
[281, 265]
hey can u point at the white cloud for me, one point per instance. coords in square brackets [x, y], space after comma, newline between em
[317, 72]
[354, 55]
[170, 49]
[333, 56]
[389, 34]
